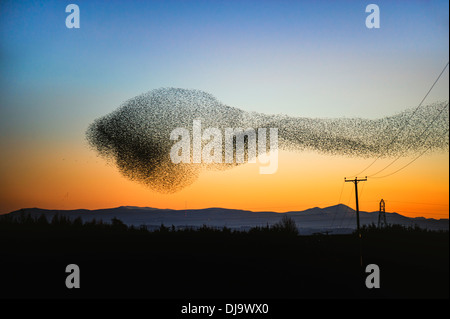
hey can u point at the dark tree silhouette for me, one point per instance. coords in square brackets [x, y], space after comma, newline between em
[287, 226]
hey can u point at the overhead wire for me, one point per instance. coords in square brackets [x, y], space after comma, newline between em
[338, 206]
[416, 158]
[423, 132]
[346, 211]
[407, 121]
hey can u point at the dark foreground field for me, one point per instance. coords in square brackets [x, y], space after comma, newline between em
[118, 262]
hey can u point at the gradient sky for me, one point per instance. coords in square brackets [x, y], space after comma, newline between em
[301, 58]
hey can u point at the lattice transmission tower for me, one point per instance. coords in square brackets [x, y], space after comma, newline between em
[382, 215]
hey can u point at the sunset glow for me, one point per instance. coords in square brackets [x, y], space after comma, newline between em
[304, 60]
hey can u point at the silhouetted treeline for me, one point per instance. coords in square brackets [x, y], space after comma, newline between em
[286, 226]
[10, 222]
[397, 229]
[121, 261]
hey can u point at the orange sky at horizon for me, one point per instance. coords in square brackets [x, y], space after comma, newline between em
[308, 60]
[56, 176]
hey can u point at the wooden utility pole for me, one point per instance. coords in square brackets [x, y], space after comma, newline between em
[355, 181]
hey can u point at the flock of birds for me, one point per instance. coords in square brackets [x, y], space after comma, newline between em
[136, 135]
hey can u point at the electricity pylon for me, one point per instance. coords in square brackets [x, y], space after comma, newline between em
[382, 215]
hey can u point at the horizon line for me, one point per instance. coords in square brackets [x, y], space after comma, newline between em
[215, 207]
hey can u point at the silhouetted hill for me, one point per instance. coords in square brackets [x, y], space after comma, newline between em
[338, 218]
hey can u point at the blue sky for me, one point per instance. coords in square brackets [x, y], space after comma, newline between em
[302, 58]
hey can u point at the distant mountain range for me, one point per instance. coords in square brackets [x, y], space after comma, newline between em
[336, 219]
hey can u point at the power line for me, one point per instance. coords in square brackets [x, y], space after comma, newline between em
[338, 205]
[407, 122]
[421, 213]
[416, 203]
[410, 161]
[346, 211]
[424, 131]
